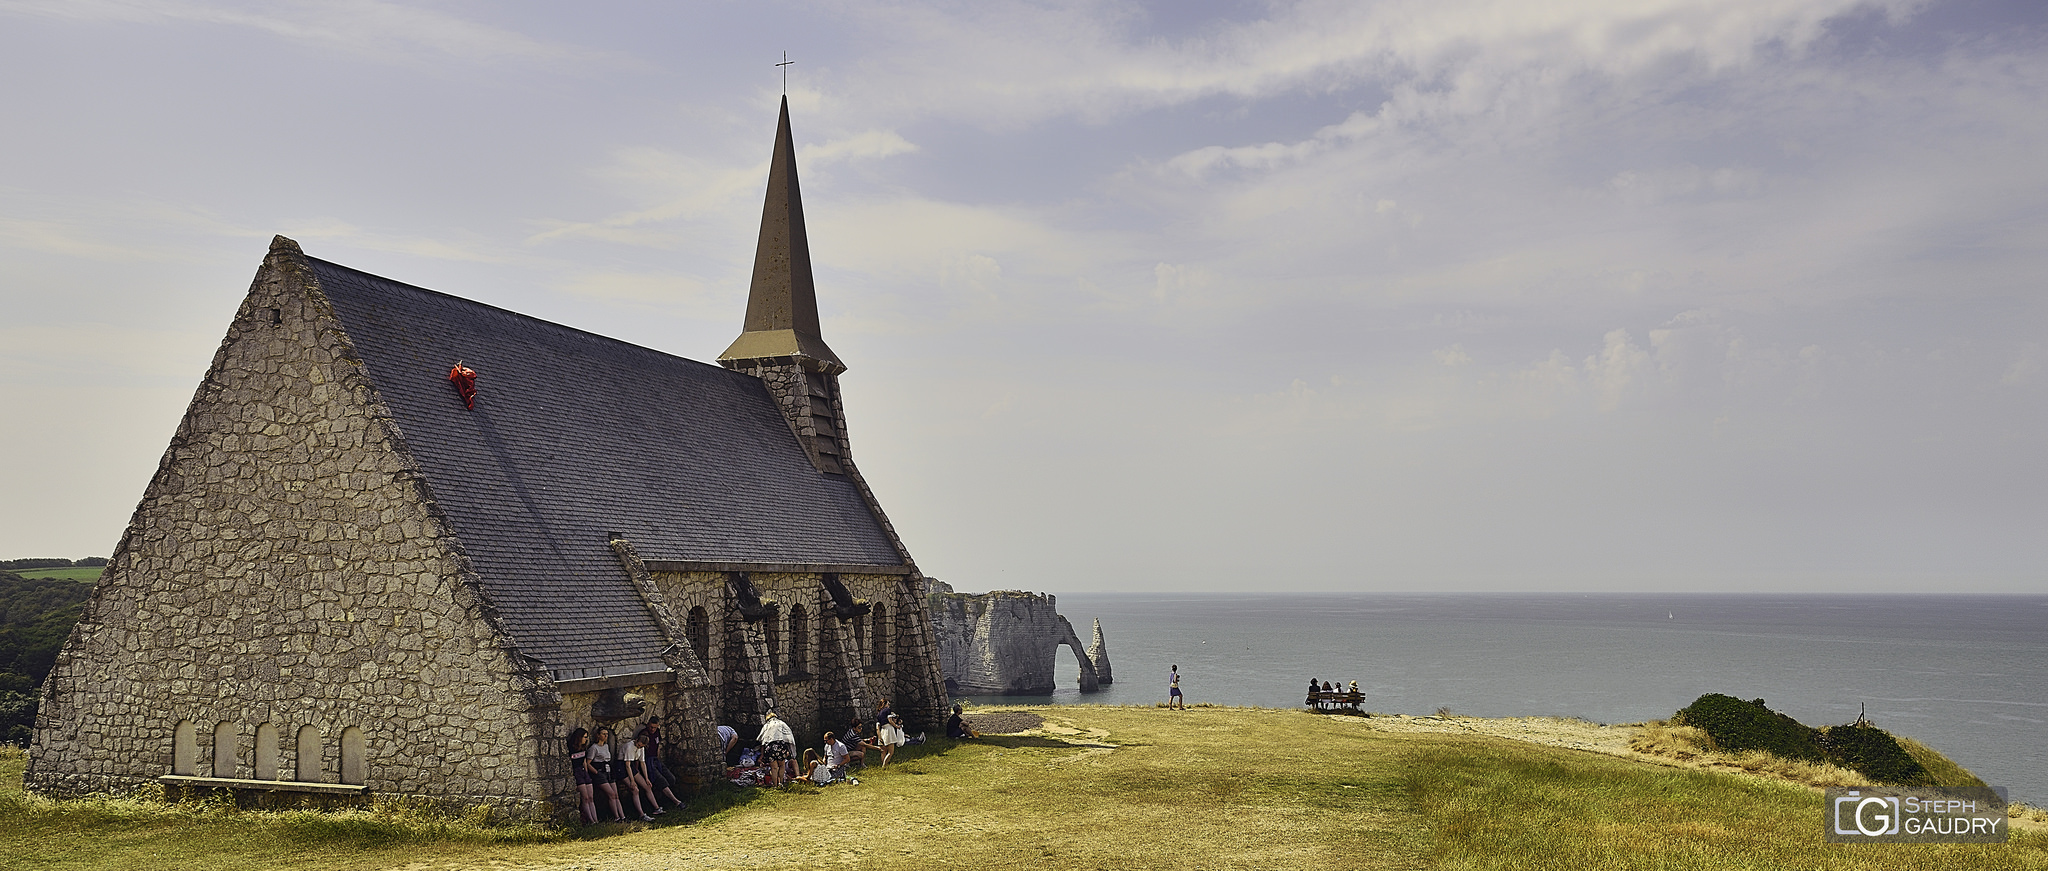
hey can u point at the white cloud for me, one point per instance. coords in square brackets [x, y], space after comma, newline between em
[368, 28]
[1012, 64]
[866, 145]
[2025, 366]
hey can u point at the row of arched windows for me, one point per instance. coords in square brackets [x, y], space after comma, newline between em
[307, 760]
[798, 628]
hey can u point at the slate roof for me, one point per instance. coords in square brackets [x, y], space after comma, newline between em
[576, 436]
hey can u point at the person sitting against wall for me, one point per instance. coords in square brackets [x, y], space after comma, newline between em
[579, 749]
[958, 727]
[633, 758]
[658, 775]
[778, 750]
[598, 762]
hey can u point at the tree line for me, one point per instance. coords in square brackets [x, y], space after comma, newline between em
[51, 563]
[36, 614]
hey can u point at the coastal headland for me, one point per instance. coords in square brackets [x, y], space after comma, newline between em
[1083, 786]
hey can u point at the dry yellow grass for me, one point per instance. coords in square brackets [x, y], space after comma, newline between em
[1103, 787]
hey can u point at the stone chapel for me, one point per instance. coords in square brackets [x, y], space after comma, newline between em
[352, 575]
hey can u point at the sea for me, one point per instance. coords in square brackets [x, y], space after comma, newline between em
[1967, 675]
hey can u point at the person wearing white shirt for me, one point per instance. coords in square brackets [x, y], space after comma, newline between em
[778, 749]
[633, 753]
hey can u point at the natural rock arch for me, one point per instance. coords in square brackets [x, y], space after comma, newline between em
[1088, 680]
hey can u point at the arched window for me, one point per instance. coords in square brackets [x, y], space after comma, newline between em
[700, 635]
[799, 638]
[308, 769]
[860, 642]
[266, 751]
[352, 755]
[881, 635]
[224, 740]
[185, 748]
[774, 629]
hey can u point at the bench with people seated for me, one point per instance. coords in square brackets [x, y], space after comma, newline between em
[1336, 701]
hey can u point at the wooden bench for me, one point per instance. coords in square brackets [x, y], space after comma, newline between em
[1337, 701]
[186, 780]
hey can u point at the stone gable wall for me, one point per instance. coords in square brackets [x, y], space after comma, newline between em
[287, 568]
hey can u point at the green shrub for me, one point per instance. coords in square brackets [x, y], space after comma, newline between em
[1871, 751]
[1735, 725]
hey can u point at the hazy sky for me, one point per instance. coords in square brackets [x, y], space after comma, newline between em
[1414, 295]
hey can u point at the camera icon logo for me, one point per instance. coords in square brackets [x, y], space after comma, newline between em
[1869, 815]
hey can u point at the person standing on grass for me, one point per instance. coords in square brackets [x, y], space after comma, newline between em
[598, 761]
[890, 736]
[579, 749]
[1173, 697]
[778, 750]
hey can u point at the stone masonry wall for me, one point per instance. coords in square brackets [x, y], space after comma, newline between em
[810, 398]
[287, 568]
[841, 673]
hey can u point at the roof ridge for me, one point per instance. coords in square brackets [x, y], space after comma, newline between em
[522, 316]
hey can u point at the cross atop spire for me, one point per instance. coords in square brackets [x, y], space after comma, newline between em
[782, 304]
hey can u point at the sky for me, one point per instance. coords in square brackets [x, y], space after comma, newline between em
[1648, 295]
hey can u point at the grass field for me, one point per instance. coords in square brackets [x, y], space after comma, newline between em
[87, 574]
[1104, 788]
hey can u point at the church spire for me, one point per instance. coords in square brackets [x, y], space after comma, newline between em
[782, 304]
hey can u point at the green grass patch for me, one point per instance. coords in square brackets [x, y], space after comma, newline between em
[1105, 788]
[144, 832]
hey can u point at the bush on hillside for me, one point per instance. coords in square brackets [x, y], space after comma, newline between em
[17, 717]
[36, 615]
[1735, 725]
[27, 601]
[1871, 750]
[90, 562]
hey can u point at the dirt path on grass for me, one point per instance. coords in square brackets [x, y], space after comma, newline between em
[1549, 731]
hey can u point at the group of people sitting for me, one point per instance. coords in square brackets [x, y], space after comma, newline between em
[778, 763]
[633, 769]
[631, 772]
[1326, 696]
[775, 762]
